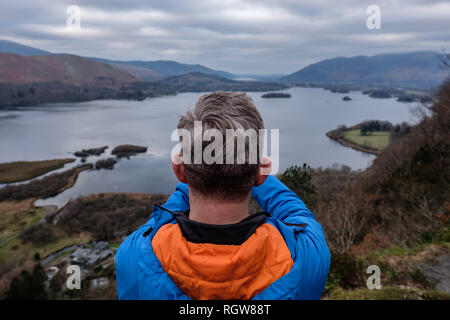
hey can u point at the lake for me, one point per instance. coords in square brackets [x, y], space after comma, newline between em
[57, 130]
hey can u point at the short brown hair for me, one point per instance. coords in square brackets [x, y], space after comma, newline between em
[223, 110]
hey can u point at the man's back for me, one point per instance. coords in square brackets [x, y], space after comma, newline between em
[279, 255]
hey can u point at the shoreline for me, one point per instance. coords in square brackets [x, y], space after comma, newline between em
[346, 143]
[74, 177]
[11, 205]
[23, 171]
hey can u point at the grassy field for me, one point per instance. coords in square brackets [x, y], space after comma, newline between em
[25, 170]
[377, 140]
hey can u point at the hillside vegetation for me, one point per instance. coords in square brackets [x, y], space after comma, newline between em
[395, 214]
[405, 190]
[46, 92]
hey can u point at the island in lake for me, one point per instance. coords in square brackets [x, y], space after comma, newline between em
[127, 150]
[370, 136]
[90, 152]
[276, 95]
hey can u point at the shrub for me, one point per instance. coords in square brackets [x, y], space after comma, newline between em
[38, 235]
[37, 256]
[28, 287]
[107, 217]
[298, 179]
[346, 271]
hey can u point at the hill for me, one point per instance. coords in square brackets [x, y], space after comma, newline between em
[31, 80]
[200, 82]
[66, 69]
[17, 48]
[395, 214]
[140, 72]
[402, 69]
[148, 70]
[167, 68]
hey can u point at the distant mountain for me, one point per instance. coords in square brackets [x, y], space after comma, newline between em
[140, 72]
[167, 68]
[159, 69]
[66, 69]
[200, 82]
[404, 69]
[17, 48]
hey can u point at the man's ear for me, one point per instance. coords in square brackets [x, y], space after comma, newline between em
[265, 167]
[178, 168]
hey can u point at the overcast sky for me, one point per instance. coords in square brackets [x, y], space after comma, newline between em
[245, 36]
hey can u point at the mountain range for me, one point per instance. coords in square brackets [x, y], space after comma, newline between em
[29, 75]
[420, 68]
[158, 69]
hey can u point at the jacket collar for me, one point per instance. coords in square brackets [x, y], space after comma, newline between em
[231, 234]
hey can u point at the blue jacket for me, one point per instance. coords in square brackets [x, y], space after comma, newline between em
[140, 275]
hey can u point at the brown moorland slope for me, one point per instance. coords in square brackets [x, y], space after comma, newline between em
[67, 69]
[140, 72]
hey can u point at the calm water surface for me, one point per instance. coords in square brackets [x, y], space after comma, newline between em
[57, 130]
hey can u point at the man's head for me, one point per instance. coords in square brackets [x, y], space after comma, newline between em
[229, 180]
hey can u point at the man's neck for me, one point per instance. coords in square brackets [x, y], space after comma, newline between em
[217, 211]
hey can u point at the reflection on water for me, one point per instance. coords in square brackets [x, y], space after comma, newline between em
[57, 130]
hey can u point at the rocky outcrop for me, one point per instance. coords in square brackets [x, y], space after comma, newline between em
[438, 274]
[90, 152]
[127, 150]
[105, 163]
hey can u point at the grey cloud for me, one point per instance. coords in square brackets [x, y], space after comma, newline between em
[245, 36]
